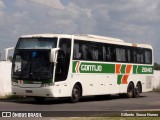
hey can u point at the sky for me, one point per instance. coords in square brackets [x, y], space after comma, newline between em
[135, 21]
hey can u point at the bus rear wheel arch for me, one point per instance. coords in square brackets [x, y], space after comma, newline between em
[76, 93]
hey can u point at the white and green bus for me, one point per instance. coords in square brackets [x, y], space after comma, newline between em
[61, 65]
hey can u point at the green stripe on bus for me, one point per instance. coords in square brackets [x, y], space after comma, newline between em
[85, 67]
[142, 69]
[135, 69]
[123, 69]
[74, 67]
[119, 80]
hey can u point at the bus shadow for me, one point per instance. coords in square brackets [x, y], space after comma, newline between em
[51, 101]
[105, 98]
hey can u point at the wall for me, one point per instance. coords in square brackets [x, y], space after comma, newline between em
[156, 79]
[5, 78]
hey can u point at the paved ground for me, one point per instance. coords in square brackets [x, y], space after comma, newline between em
[90, 106]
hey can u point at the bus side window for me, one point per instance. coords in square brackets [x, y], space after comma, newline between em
[120, 55]
[94, 52]
[84, 51]
[134, 56]
[76, 52]
[100, 51]
[106, 53]
[140, 56]
[128, 55]
[113, 53]
[148, 56]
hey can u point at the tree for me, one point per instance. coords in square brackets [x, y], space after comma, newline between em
[156, 66]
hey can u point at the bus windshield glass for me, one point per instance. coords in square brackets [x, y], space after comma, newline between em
[36, 43]
[32, 59]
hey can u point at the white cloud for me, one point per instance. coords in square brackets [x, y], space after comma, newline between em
[21, 3]
[1, 5]
[132, 20]
[73, 19]
[143, 12]
[50, 3]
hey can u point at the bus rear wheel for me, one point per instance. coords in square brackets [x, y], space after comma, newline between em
[137, 90]
[76, 94]
[130, 90]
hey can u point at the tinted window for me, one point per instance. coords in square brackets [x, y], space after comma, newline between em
[140, 57]
[106, 53]
[128, 55]
[120, 55]
[148, 56]
[37, 43]
[93, 51]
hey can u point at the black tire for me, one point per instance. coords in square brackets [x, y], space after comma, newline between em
[130, 90]
[76, 94]
[137, 90]
[39, 99]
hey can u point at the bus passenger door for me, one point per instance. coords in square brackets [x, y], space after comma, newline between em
[62, 66]
[63, 60]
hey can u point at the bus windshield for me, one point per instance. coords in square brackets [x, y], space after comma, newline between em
[36, 43]
[32, 59]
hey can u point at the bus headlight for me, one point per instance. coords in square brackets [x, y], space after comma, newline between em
[47, 84]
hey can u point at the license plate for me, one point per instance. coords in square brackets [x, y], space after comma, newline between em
[29, 91]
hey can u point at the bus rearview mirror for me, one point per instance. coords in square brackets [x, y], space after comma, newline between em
[6, 53]
[53, 55]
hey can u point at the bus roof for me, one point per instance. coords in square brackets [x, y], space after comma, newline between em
[90, 37]
[77, 36]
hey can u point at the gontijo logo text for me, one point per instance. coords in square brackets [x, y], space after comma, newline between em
[91, 68]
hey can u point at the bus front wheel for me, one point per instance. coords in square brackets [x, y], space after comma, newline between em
[76, 94]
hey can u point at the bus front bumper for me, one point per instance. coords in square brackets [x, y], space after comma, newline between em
[40, 92]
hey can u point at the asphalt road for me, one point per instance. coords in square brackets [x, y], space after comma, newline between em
[88, 106]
